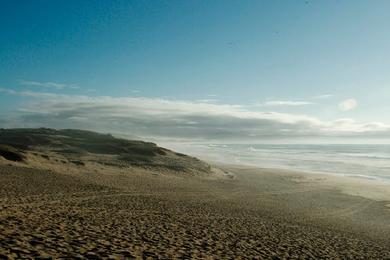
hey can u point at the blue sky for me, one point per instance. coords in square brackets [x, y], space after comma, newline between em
[325, 61]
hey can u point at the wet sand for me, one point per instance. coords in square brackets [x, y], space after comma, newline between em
[135, 213]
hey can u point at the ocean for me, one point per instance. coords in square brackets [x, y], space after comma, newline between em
[362, 161]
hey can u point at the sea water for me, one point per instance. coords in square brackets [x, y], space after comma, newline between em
[362, 161]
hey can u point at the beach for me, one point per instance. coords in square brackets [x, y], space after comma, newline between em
[194, 129]
[136, 213]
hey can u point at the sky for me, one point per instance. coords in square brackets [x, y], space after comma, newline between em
[220, 71]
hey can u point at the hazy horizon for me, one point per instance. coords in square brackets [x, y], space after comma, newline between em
[174, 71]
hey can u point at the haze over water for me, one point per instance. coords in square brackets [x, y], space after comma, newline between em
[356, 160]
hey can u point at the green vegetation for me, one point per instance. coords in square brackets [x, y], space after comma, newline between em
[10, 153]
[77, 145]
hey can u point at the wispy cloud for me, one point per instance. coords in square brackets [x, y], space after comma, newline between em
[348, 104]
[54, 85]
[325, 96]
[207, 100]
[181, 119]
[302, 102]
[28, 93]
[274, 103]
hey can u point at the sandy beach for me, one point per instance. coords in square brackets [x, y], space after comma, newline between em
[135, 213]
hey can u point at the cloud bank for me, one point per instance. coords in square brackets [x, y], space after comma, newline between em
[178, 119]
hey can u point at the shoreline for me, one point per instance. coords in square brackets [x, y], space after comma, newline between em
[349, 204]
[370, 188]
[139, 213]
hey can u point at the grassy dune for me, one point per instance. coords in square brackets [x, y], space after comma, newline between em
[81, 147]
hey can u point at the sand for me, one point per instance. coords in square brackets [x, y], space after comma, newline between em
[86, 212]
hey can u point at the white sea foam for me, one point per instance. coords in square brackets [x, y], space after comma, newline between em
[360, 161]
